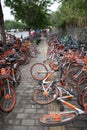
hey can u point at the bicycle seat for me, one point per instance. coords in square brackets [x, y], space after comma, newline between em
[11, 60]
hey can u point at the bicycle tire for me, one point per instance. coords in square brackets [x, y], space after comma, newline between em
[7, 105]
[70, 76]
[84, 99]
[22, 58]
[67, 67]
[82, 81]
[26, 59]
[18, 76]
[42, 99]
[36, 71]
[62, 118]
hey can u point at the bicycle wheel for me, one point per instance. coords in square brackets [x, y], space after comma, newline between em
[84, 99]
[25, 59]
[47, 97]
[72, 75]
[18, 76]
[79, 98]
[22, 58]
[8, 99]
[39, 71]
[58, 119]
[82, 80]
[67, 67]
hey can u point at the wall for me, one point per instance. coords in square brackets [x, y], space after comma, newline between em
[77, 33]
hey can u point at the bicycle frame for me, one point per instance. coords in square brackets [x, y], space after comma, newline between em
[61, 99]
[78, 111]
[44, 82]
[61, 89]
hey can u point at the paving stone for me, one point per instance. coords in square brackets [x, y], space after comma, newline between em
[30, 111]
[14, 121]
[85, 128]
[7, 128]
[46, 128]
[41, 111]
[20, 128]
[22, 116]
[28, 122]
[80, 124]
[74, 128]
[36, 128]
[17, 110]
[28, 106]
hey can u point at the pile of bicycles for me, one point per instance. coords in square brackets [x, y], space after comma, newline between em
[10, 77]
[10, 74]
[70, 82]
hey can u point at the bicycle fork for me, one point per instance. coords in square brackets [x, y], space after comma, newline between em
[7, 91]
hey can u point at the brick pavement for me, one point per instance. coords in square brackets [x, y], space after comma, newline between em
[26, 113]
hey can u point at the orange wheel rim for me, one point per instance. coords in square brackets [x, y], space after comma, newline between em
[57, 118]
[38, 71]
[45, 93]
[7, 96]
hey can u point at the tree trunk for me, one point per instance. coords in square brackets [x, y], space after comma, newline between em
[2, 29]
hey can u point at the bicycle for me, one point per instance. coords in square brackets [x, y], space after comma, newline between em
[77, 75]
[48, 90]
[66, 117]
[7, 91]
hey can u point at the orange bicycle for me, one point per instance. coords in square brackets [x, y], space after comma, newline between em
[48, 90]
[7, 91]
[62, 118]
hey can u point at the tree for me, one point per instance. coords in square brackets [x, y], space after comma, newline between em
[71, 12]
[32, 12]
[10, 24]
[2, 32]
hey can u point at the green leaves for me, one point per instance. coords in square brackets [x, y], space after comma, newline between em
[33, 12]
[71, 11]
[14, 25]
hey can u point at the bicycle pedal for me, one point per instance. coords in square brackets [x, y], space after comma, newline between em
[61, 108]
